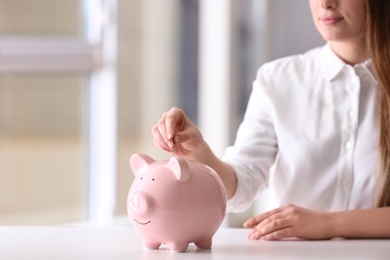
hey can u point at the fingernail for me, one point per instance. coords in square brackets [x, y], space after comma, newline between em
[171, 145]
[177, 139]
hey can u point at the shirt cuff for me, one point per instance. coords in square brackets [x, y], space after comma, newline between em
[239, 202]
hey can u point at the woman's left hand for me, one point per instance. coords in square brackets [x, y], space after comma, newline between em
[290, 221]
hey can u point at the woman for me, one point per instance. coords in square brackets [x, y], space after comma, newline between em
[318, 119]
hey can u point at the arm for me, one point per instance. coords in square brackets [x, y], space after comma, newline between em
[224, 170]
[292, 221]
[176, 134]
[370, 223]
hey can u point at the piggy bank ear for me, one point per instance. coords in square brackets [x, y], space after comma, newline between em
[137, 161]
[180, 168]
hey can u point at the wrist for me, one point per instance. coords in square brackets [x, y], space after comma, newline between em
[202, 153]
[335, 224]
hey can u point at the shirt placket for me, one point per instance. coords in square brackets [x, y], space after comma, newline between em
[349, 135]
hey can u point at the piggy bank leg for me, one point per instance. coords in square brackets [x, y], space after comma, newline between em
[177, 247]
[204, 243]
[148, 244]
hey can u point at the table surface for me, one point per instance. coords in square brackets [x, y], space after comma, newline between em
[67, 242]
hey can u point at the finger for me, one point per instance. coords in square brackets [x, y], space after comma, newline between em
[159, 140]
[162, 147]
[161, 131]
[269, 228]
[160, 126]
[173, 119]
[259, 218]
[186, 136]
[161, 144]
[269, 224]
[279, 234]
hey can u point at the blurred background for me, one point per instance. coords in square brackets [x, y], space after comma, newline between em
[82, 82]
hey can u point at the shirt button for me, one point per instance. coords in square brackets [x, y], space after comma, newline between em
[348, 145]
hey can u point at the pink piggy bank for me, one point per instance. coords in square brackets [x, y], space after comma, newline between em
[175, 202]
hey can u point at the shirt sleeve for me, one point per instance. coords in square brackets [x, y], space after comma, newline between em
[255, 148]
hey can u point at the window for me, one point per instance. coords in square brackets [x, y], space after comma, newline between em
[55, 65]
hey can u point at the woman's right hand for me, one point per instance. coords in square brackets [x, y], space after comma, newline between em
[176, 134]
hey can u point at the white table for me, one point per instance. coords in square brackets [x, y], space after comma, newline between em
[64, 242]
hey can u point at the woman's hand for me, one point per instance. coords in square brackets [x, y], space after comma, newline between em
[176, 134]
[290, 221]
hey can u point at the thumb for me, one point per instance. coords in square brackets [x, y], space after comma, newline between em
[190, 136]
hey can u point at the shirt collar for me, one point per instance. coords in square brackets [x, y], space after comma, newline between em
[331, 64]
[366, 65]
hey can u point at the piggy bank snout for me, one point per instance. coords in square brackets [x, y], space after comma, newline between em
[140, 203]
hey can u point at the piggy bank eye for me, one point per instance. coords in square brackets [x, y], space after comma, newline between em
[153, 179]
[141, 178]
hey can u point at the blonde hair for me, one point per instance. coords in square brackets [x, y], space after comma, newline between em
[378, 22]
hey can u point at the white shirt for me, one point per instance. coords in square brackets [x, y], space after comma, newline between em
[313, 118]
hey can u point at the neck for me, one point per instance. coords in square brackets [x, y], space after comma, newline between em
[351, 53]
